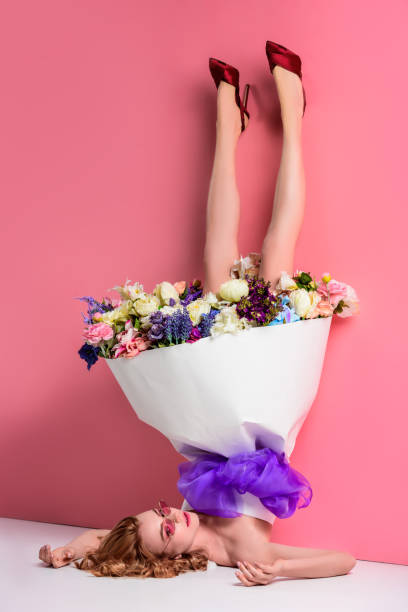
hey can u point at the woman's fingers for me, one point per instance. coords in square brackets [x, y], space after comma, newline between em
[45, 554]
[250, 573]
[244, 580]
[58, 557]
[254, 574]
[49, 554]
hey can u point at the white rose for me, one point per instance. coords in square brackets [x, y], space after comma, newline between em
[285, 282]
[164, 291]
[233, 290]
[196, 309]
[146, 305]
[303, 301]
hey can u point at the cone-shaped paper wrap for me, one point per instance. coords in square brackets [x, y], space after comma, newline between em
[230, 394]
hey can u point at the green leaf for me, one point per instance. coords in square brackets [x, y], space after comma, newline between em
[305, 278]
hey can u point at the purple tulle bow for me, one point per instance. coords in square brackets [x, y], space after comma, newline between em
[208, 483]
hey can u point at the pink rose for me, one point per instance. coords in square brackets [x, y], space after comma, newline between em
[352, 303]
[180, 286]
[93, 334]
[334, 290]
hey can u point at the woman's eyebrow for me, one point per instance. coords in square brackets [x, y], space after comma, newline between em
[161, 526]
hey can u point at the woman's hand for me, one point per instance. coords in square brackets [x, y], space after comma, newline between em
[58, 557]
[255, 573]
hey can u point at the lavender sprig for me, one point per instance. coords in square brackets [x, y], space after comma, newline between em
[93, 307]
[207, 321]
[177, 327]
[191, 293]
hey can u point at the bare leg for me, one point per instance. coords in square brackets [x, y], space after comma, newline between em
[223, 206]
[289, 200]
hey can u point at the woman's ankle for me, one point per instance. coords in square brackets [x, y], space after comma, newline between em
[228, 112]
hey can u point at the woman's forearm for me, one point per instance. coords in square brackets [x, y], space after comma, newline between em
[87, 541]
[322, 566]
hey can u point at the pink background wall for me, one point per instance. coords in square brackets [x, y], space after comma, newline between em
[107, 142]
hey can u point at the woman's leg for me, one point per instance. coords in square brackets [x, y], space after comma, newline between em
[289, 200]
[223, 206]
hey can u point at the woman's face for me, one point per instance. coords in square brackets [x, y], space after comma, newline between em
[154, 533]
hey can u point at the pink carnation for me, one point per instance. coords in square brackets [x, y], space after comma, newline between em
[93, 334]
[131, 342]
[334, 290]
[324, 308]
[136, 346]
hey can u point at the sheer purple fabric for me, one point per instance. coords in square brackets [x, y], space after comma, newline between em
[209, 483]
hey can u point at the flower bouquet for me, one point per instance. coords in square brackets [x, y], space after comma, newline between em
[179, 313]
[234, 389]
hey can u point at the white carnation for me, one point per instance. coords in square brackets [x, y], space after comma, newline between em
[227, 321]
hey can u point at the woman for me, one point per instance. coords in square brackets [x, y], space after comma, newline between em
[166, 541]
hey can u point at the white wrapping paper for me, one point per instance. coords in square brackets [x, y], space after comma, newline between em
[227, 393]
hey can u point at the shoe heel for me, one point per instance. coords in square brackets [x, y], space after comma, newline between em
[245, 96]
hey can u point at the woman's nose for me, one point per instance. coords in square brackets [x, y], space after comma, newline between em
[177, 517]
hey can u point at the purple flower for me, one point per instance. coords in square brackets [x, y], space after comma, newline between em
[156, 332]
[195, 335]
[178, 326]
[156, 317]
[93, 307]
[191, 293]
[207, 321]
[89, 353]
[260, 305]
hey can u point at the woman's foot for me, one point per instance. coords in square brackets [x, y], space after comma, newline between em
[290, 93]
[228, 113]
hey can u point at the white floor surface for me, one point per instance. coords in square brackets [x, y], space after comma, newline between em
[28, 584]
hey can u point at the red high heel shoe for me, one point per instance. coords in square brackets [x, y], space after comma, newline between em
[278, 55]
[224, 72]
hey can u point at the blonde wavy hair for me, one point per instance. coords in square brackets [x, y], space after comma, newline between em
[122, 553]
